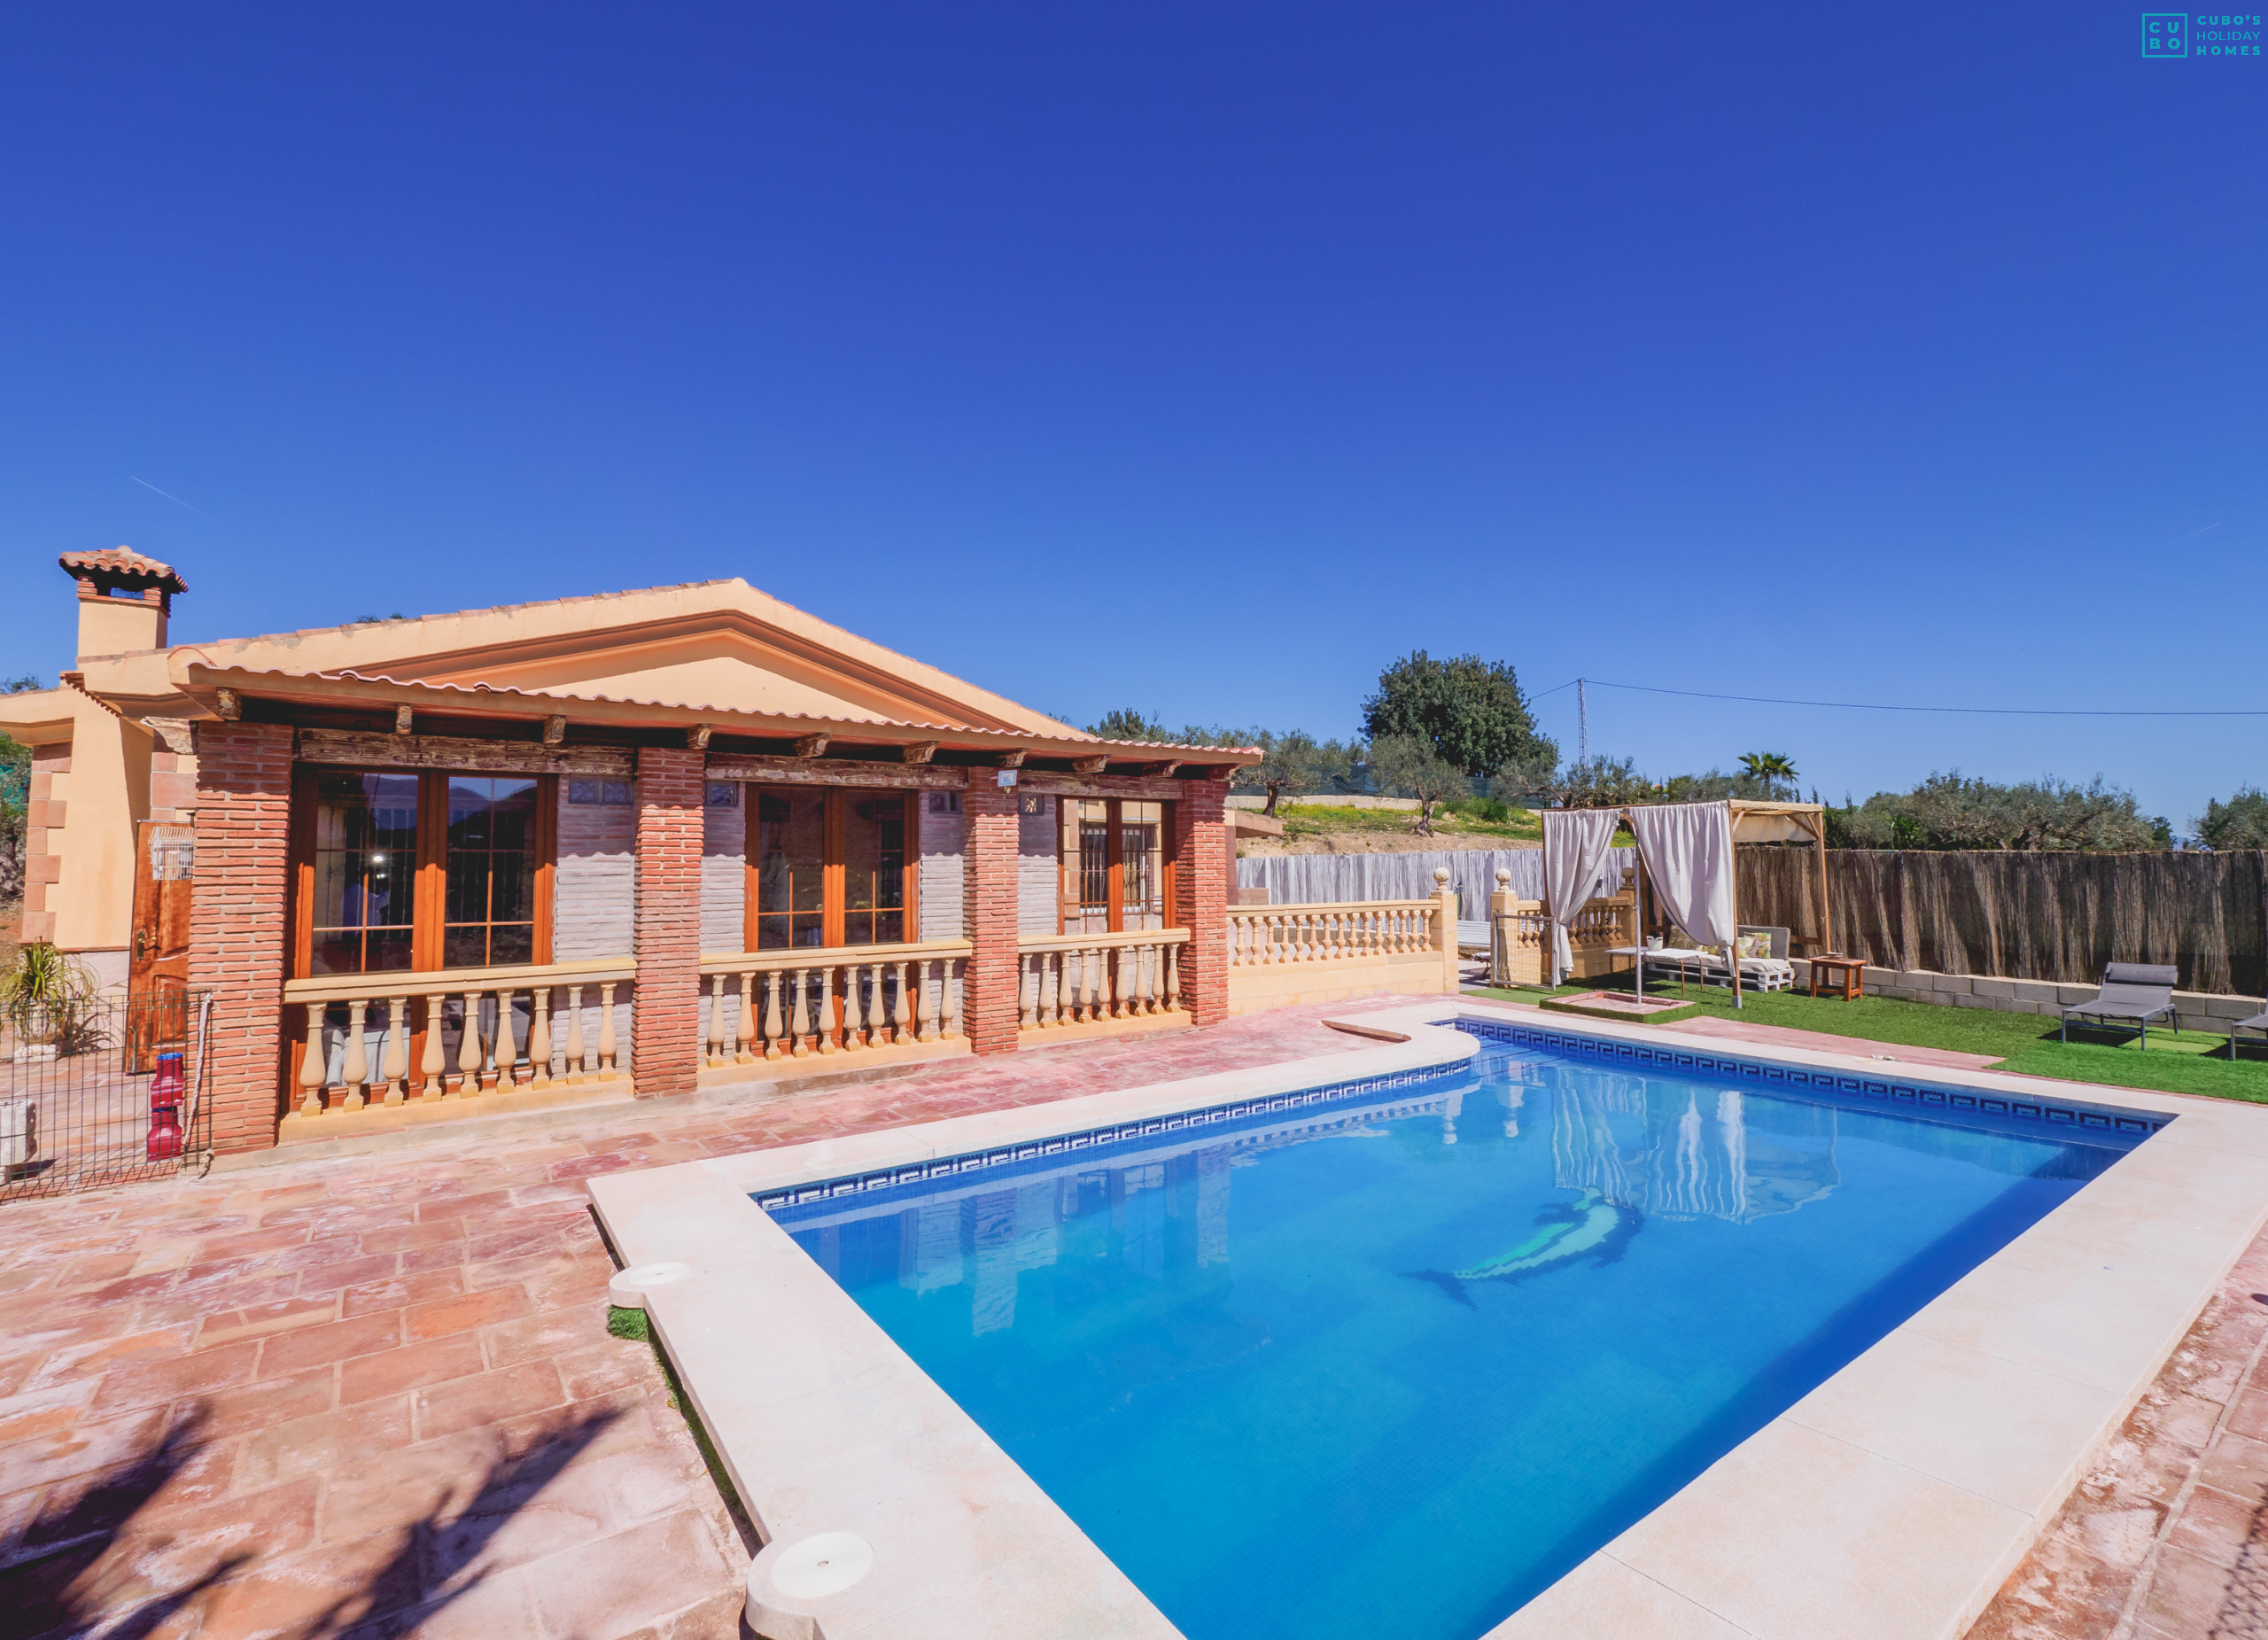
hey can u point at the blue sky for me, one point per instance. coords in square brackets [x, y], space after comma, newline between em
[1201, 358]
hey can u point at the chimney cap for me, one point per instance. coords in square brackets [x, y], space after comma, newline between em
[122, 568]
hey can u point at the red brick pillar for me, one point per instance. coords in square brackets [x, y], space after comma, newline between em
[237, 922]
[1201, 856]
[665, 1005]
[989, 889]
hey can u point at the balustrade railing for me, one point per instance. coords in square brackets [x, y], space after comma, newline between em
[454, 1033]
[1078, 979]
[1265, 935]
[770, 1005]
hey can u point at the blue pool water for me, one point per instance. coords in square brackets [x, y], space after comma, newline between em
[1390, 1364]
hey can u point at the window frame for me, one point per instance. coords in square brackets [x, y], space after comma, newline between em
[429, 901]
[1067, 905]
[833, 866]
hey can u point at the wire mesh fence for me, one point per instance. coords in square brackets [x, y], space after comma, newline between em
[2026, 915]
[104, 1092]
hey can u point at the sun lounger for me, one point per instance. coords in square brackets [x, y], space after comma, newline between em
[2258, 1021]
[2136, 991]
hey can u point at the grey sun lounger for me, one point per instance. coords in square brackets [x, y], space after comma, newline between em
[2139, 991]
[2258, 1021]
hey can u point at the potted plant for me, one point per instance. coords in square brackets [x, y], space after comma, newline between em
[52, 1001]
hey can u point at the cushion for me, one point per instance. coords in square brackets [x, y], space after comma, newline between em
[1756, 944]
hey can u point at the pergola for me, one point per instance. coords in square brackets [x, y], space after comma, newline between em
[1753, 820]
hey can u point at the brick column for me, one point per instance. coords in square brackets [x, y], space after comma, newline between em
[665, 1005]
[237, 922]
[1202, 855]
[989, 890]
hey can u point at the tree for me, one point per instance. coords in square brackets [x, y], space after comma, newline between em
[1772, 771]
[1295, 762]
[1948, 812]
[1410, 767]
[1470, 710]
[1126, 724]
[2240, 823]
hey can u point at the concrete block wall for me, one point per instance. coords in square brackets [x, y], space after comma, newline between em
[724, 876]
[2195, 1010]
[1036, 886]
[941, 832]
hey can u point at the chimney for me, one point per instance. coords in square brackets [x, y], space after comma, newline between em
[123, 600]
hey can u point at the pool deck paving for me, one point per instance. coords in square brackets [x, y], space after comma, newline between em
[371, 1393]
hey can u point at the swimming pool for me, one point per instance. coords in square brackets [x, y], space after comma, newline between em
[1392, 1359]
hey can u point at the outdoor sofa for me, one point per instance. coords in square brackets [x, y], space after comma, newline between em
[2258, 1021]
[1770, 970]
[2132, 992]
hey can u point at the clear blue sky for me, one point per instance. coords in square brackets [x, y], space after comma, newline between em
[1200, 359]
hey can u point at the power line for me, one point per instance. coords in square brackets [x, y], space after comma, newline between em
[1997, 712]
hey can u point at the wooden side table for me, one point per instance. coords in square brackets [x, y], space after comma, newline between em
[1848, 975]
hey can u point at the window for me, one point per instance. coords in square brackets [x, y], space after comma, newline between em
[401, 871]
[363, 898]
[788, 894]
[490, 896]
[1115, 872]
[828, 868]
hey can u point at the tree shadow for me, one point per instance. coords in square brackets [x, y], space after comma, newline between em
[60, 1572]
[52, 1568]
[442, 1551]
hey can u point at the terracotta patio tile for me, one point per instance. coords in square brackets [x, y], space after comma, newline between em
[248, 1244]
[155, 1382]
[2213, 1525]
[259, 1321]
[195, 1306]
[2238, 1466]
[616, 1364]
[397, 1372]
[399, 1292]
[92, 1268]
[273, 1400]
[412, 1483]
[612, 1586]
[401, 1238]
[441, 1255]
[362, 1270]
[363, 1335]
[87, 1445]
[86, 1359]
[39, 1412]
[2184, 1594]
[496, 1608]
[2249, 1416]
[491, 1397]
[317, 1590]
[465, 1312]
[547, 1334]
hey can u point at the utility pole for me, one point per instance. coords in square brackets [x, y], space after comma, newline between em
[1582, 725]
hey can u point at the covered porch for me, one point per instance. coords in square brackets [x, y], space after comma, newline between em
[418, 902]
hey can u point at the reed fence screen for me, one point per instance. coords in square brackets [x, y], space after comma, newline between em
[2045, 916]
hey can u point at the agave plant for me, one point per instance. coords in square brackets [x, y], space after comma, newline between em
[48, 995]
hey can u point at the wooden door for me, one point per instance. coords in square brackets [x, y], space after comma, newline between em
[156, 976]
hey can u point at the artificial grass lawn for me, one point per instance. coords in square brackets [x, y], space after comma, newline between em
[2176, 1063]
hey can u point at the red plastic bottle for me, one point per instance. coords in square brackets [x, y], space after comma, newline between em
[168, 1089]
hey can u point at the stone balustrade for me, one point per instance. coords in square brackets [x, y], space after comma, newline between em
[1265, 935]
[455, 1034]
[1084, 979]
[798, 1004]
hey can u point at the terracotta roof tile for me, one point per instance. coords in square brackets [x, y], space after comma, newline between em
[124, 567]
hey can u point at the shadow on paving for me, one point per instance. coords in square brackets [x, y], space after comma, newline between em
[72, 1569]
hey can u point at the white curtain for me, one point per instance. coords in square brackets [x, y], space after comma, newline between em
[1575, 844]
[1688, 848]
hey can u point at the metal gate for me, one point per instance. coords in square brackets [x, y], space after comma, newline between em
[105, 1093]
